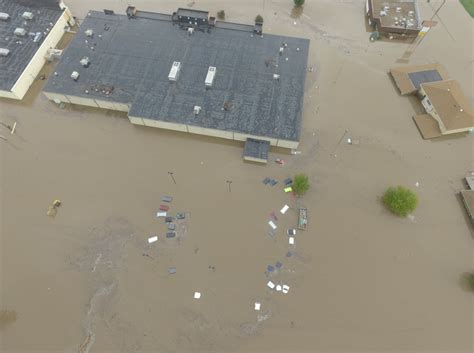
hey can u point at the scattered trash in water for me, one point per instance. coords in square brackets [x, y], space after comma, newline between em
[53, 209]
[152, 239]
[279, 161]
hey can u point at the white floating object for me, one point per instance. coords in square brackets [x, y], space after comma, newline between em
[152, 239]
[160, 214]
[257, 306]
[197, 295]
[417, 184]
[273, 225]
[270, 285]
[278, 288]
[291, 240]
[284, 209]
[285, 289]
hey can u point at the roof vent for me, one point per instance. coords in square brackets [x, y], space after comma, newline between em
[75, 75]
[197, 109]
[190, 30]
[27, 15]
[276, 77]
[4, 16]
[4, 52]
[211, 73]
[38, 36]
[85, 61]
[89, 33]
[21, 32]
[174, 72]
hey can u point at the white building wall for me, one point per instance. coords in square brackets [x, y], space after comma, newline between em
[28, 76]
[82, 101]
[211, 132]
[165, 125]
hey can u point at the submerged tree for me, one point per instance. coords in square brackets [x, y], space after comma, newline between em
[221, 14]
[259, 19]
[298, 3]
[400, 200]
[300, 184]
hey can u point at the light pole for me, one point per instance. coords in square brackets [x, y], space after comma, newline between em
[172, 176]
[228, 183]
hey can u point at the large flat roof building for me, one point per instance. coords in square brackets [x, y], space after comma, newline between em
[199, 76]
[28, 28]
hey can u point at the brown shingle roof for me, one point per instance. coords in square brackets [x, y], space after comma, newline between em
[402, 78]
[450, 103]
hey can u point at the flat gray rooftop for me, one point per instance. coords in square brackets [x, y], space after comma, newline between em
[22, 49]
[133, 57]
[419, 77]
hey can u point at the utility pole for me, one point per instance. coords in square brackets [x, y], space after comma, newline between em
[172, 176]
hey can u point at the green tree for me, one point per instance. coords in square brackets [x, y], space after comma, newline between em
[300, 184]
[471, 280]
[298, 3]
[259, 19]
[221, 14]
[400, 200]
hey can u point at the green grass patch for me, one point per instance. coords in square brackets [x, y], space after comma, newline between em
[469, 6]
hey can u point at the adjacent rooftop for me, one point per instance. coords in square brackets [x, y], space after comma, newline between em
[257, 88]
[21, 34]
[395, 15]
[409, 78]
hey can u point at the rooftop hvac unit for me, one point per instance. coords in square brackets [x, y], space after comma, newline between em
[211, 73]
[38, 36]
[75, 75]
[4, 16]
[276, 77]
[197, 109]
[4, 52]
[21, 32]
[27, 15]
[85, 61]
[174, 72]
[89, 33]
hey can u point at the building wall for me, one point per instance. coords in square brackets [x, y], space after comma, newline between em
[8, 94]
[28, 76]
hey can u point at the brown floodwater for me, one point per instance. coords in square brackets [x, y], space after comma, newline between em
[361, 279]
